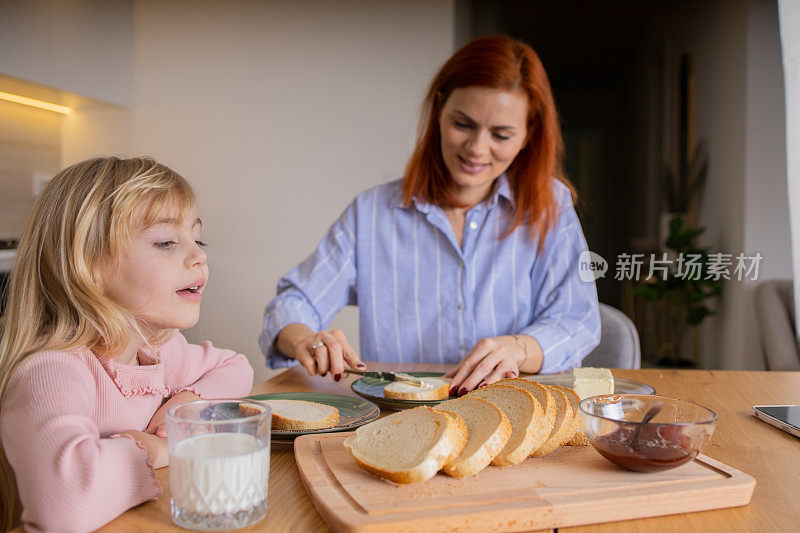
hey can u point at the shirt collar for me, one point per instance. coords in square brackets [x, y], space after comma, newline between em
[501, 188]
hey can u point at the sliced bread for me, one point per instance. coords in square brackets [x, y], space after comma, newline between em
[488, 431]
[577, 436]
[562, 426]
[546, 400]
[408, 446]
[299, 415]
[437, 389]
[526, 417]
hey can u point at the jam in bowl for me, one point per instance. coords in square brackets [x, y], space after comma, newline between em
[646, 433]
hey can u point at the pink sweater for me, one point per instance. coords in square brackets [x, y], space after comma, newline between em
[62, 410]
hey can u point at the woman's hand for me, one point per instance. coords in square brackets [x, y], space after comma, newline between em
[320, 352]
[158, 424]
[493, 359]
[156, 447]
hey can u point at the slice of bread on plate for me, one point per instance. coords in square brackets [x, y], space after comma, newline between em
[302, 415]
[408, 446]
[437, 389]
[488, 431]
[528, 431]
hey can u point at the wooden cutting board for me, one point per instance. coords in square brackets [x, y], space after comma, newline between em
[572, 486]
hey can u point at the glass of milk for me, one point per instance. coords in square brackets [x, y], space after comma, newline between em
[218, 463]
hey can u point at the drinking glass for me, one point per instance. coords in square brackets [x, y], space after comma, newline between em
[218, 463]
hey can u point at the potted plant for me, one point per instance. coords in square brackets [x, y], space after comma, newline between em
[680, 296]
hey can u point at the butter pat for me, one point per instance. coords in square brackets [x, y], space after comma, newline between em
[592, 381]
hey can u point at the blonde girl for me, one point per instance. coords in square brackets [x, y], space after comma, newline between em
[110, 265]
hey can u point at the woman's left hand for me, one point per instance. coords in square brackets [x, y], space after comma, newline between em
[158, 424]
[490, 360]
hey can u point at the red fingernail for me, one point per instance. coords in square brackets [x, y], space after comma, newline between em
[453, 391]
[462, 391]
[337, 377]
[361, 365]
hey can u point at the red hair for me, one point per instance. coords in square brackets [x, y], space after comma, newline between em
[499, 63]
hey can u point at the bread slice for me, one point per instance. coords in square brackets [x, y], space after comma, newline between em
[488, 431]
[576, 437]
[526, 417]
[408, 446]
[300, 414]
[548, 403]
[562, 426]
[438, 389]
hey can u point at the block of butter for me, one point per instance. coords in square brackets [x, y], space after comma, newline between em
[592, 381]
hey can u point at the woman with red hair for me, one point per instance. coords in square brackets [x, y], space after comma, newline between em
[470, 259]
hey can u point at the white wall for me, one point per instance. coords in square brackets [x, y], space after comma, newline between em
[740, 113]
[29, 139]
[279, 113]
[767, 228]
[82, 46]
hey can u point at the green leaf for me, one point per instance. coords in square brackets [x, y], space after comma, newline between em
[648, 291]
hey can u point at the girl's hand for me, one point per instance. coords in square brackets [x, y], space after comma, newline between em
[320, 352]
[493, 359]
[158, 424]
[156, 447]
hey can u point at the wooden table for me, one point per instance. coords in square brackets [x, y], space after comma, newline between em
[768, 454]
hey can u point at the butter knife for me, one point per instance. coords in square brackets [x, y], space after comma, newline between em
[391, 376]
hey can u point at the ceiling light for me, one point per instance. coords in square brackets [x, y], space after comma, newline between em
[35, 103]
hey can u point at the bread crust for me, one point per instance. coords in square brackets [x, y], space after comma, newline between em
[574, 400]
[284, 423]
[488, 450]
[549, 412]
[449, 446]
[439, 393]
[561, 430]
[534, 434]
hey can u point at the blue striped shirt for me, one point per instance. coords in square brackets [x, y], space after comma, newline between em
[423, 298]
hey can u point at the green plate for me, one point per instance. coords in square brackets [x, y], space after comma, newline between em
[353, 412]
[621, 385]
[372, 389]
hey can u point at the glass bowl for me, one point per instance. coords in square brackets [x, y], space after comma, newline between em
[674, 436]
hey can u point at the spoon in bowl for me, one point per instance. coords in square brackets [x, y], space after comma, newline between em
[652, 412]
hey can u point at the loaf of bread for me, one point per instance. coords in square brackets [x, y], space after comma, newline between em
[408, 446]
[301, 415]
[528, 431]
[488, 431]
[436, 389]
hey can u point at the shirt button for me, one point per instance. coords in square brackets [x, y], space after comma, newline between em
[473, 225]
[465, 347]
[460, 306]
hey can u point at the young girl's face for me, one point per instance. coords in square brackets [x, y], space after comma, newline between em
[161, 274]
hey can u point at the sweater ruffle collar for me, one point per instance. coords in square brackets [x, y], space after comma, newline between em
[148, 377]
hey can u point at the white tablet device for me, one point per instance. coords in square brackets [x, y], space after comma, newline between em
[785, 417]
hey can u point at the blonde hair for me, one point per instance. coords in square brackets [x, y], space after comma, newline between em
[83, 218]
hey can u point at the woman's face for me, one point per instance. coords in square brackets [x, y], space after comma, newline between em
[483, 130]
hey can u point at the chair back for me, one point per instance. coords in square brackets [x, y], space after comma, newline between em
[619, 342]
[775, 316]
